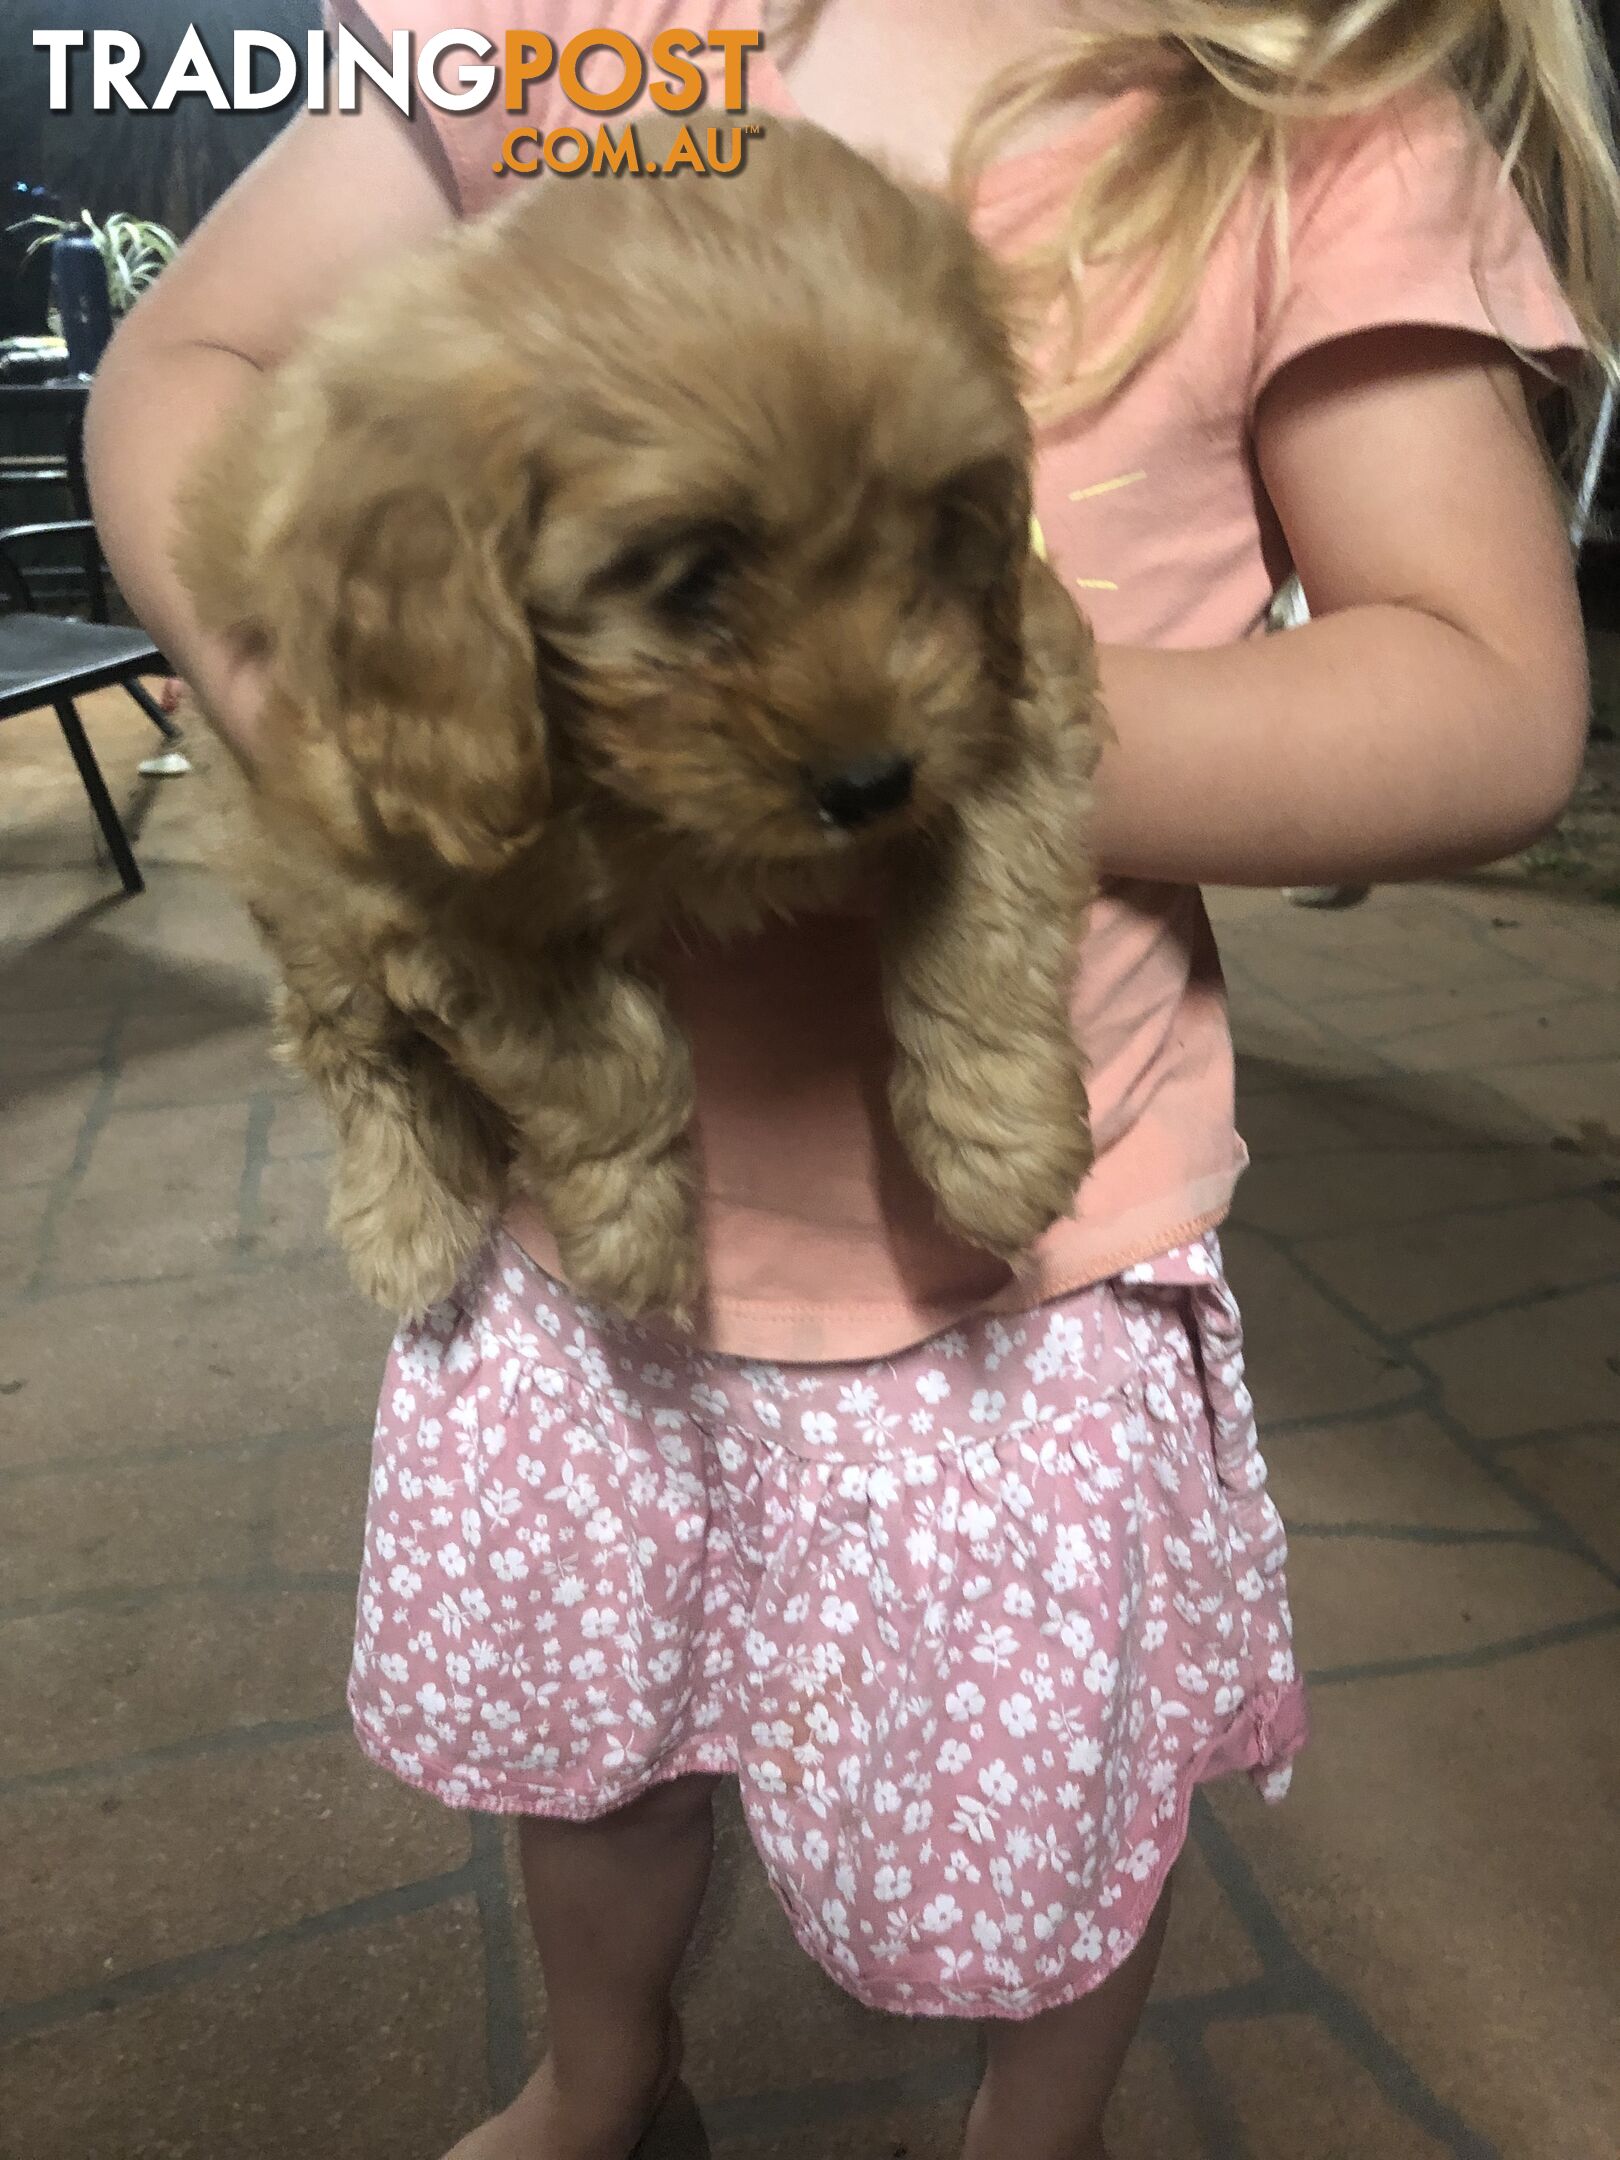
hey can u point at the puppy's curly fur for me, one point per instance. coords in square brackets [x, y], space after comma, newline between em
[590, 550]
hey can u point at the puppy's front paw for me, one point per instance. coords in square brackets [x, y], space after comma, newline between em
[1004, 1163]
[626, 1237]
[406, 1247]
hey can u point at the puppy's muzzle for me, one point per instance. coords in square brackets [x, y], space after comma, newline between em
[871, 788]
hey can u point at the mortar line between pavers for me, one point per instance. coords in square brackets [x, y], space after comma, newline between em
[197, 1747]
[1220, 2132]
[226, 1958]
[1423, 1534]
[1407, 1356]
[261, 1111]
[1307, 1988]
[197, 1451]
[140, 1597]
[1329, 1422]
[97, 1112]
[1550, 1435]
[246, 1266]
[1479, 933]
[1535, 980]
[1597, 1193]
[1526, 1301]
[1500, 1652]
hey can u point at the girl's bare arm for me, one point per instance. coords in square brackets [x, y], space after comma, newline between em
[1433, 714]
[330, 198]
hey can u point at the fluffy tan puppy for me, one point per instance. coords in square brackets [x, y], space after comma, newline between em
[654, 549]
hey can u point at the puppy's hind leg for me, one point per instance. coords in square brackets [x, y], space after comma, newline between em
[420, 1157]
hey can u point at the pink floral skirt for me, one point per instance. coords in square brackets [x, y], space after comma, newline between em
[968, 1623]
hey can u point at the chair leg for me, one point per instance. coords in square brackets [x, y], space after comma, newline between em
[154, 712]
[100, 801]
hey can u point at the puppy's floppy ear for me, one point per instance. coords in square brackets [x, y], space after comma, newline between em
[404, 635]
[988, 526]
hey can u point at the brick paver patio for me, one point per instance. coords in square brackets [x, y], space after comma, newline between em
[225, 1938]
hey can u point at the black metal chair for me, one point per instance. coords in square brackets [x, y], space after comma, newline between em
[55, 660]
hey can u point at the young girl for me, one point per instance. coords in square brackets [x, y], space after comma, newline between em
[969, 1582]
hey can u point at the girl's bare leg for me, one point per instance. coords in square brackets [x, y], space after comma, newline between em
[612, 1904]
[1047, 2081]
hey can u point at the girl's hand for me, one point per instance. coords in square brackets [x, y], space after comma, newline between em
[1433, 713]
[229, 682]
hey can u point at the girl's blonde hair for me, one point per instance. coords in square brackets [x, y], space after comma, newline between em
[1234, 83]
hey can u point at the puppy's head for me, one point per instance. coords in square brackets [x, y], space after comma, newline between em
[715, 487]
[777, 575]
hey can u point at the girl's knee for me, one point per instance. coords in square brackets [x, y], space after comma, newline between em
[673, 1805]
[663, 1810]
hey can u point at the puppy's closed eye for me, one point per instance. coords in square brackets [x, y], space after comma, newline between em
[684, 577]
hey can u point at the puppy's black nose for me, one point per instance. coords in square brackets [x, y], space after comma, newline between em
[869, 789]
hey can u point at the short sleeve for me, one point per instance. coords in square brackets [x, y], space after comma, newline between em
[464, 146]
[1404, 216]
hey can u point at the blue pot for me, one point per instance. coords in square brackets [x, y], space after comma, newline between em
[79, 289]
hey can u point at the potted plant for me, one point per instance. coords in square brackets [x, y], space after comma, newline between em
[97, 273]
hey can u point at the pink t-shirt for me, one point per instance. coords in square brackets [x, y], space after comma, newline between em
[821, 1242]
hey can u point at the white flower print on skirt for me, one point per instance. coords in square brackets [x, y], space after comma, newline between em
[968, 1623]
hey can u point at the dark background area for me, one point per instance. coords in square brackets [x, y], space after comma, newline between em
[165, 166]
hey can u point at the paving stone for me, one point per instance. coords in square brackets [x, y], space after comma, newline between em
[1399, 1021]
[198, 1054]
[1305, 1358]
[115, 1526]
[318, 1504]
[1419, 943]
[90, 1687]
[1553, 1029]
[39, 977]
[1205, 1945]
[299, 1127]
[180, 1857]
[1286, 1124]
[40, 1126]
[1348, 1192]
[43, 1046]
[290, 1218]
[1295, 2089]
[23, 1214]
[1270, 1031]
[160, 1197]
[1580, 1477]
[760, 2015]
[1576, 1101]
[1550, 1364]
[366, 2044]
[1429, 1862]
[1413, 1274]
[1397, 1469]
[1451, 1111]
[1366, 1601]
[1313, 973]
[1560, 942]
[144, 1366]
[911, 2130]
[1150, 2117]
